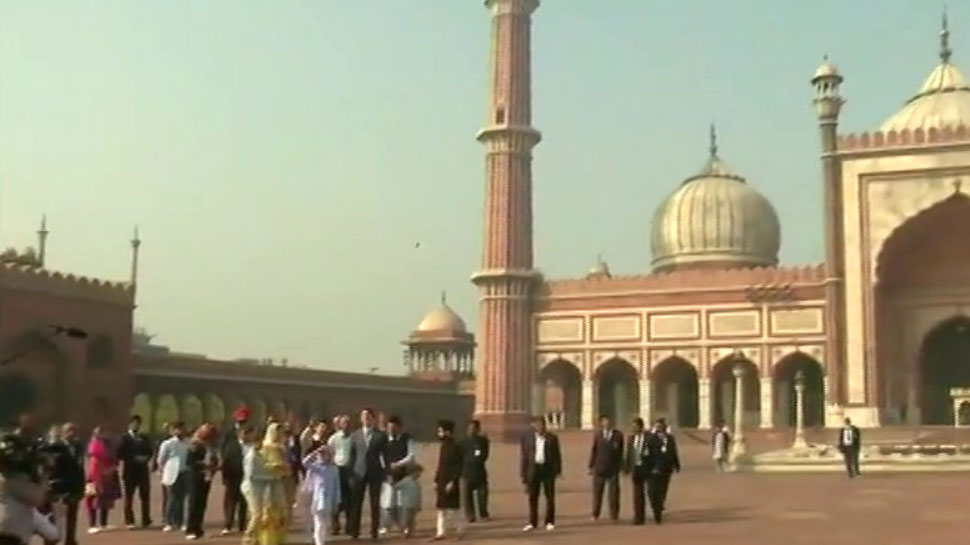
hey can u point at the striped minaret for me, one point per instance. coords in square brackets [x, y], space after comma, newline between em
[505, 372]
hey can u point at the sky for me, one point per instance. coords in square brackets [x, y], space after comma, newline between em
[283, 159]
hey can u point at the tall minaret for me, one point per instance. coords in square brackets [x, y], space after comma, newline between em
[42, 240]
[503, 390]
[828, 104]
[135, 246]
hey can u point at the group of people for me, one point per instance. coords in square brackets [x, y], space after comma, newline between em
[271, 476]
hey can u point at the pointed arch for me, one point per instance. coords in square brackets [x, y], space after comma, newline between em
[141, 405]
[723, 390]
[617, 391]
[944, 364]
[166, 412]
[675, 392]
[783, 377]
[33, 354]
[192, 412]
[562, 382]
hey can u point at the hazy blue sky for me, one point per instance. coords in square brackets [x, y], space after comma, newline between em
[283, 157]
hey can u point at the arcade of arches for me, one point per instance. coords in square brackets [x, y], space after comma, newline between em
[922, 311]
[677, 393]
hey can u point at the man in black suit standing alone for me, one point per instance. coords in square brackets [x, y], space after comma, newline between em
[662, 461]
[135, 453]
[474, 473]
[540, 466]
[367, 473]
[850, 442]
[605, 463]
[635, 466]
[67, 479]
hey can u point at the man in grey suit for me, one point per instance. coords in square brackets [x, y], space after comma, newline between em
[367, 476]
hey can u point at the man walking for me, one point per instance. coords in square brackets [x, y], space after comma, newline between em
[234, 505]
[850, 442]
[635, 466]
[605, 462]
[540, 466]
[662, 461]
[340, 445]
[135, 453]
[720, 447]
[474, 473]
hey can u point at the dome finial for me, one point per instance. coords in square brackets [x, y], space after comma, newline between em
[444, 298]
[713, 144]
[945, 50]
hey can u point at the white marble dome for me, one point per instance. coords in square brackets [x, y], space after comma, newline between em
[715, 219]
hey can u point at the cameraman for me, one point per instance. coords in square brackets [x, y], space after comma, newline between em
[20, 492]
[66, 472]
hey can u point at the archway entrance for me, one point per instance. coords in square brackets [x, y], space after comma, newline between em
[944, 364]
[562, 386]
[784, 390]
[923, 272]
[617, 391]
[17, 396]
[722, 391]
[675, 397]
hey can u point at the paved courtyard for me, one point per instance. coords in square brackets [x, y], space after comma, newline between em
[732, 509]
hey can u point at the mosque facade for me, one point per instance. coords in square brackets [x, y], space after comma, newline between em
[879, 332]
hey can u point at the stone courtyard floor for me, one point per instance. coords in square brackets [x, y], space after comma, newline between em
[731, 509]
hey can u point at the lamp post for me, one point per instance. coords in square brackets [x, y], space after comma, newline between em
[800, 442]
[738, 446]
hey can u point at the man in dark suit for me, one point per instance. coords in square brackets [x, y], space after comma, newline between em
[605, 463]
[662, 461]
[850, 442]
[474, 473]
[67, 479]
[366, 461]
[634, 465]
[135, 452]
[233, 454]
[540, 466]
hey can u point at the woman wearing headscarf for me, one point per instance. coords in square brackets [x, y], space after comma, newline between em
[202, 462]
[102, 487]
[276, 507]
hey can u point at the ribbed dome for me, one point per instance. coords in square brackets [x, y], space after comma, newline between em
[942, 101]
[442, 318]
[715, 219]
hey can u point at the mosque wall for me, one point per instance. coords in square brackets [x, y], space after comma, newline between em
[590, 341]
[884, 189]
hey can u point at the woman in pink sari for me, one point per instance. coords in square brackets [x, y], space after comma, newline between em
[102, 487]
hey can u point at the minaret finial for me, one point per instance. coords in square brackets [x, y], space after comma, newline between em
[945, 50]
[135, 244]
[713, 147]
[42, 240]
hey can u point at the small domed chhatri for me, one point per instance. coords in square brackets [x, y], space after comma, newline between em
[442, 318]
[715, 220]
[942, 101]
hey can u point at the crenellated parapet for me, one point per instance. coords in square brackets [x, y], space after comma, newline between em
[28, 277]
[685, 280]
[879, 140]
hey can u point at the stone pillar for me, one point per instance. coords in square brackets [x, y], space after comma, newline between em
[739, 447]
[646, 401]
[767, 402]
[705, 410]
[586, 419]
[800, 442]
[912, 398]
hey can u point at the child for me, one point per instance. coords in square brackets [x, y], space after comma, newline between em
[322, 488]
[401, 501]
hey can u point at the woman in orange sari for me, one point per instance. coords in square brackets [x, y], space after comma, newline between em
[273, 524]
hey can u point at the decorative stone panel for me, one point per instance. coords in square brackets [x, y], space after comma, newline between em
[684, 325]
[559, 330]
[616, 328]
[742, 323]
[796, 321]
